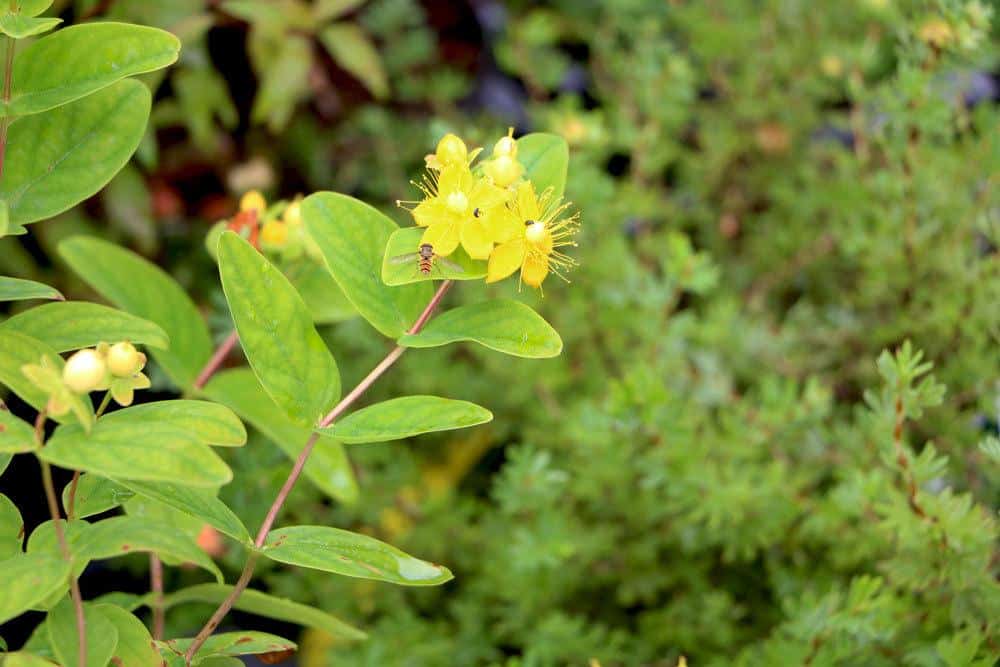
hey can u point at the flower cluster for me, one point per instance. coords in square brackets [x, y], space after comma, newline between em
[116, 368]
[493, 212]
[275, 229]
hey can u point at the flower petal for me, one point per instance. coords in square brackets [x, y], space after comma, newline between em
[476, 239]
[451, 178]
[505, 260]
[428, 212]
[443, 237]
[535, 268]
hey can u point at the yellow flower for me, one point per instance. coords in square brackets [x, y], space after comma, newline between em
[253, 201]
[457, 208]
[530, 230]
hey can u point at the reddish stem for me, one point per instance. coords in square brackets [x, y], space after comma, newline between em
[300, 463]
[213, 364]
[156, 585]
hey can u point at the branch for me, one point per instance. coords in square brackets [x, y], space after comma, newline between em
[300, 463]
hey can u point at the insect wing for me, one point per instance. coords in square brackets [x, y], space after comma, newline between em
[404, 259]
[450, 265]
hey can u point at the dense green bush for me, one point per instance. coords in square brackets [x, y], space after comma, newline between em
[741, 456]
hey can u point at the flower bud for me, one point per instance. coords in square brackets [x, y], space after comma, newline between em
[506, 146]
[504, 170]
[124, 360]
[274, 233]
[84, 371]
[451, 150]
[253, 201]
[292, 214]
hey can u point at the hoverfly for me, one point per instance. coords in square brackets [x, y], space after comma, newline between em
[425, 258]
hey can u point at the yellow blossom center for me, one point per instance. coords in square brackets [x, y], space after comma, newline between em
[457, 202]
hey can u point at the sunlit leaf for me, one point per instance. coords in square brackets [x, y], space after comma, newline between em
[15, 289]
[546, 161]
[199, 503]
[27, 579]
[405, 417]
[500, 324]
[71, 325]
[101, 634]
[135, 646]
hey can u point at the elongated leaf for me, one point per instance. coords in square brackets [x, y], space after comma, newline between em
[546, 161]
[350, 554]
[270, 606]
[323, 296]
[94, 494]
[20, 350]
[135, 647]
[276, 331]
[83, 59]
[351, 48]
[101, 634]
[122, 535]
[405, 417]
[11, 528]
[32, 7]
[501, 324]
[134, 284]
[57, 159]
[198, 503]
[405, 242]
[16, 435]
[19, 27]
[208, 423]
[27, 579]
[15, 289]
[231, 644]
[22, 659]
[352, 237]
[142, 451]
[5, 460]
[71, 325]
[327, 467]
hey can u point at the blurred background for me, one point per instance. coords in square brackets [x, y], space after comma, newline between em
[772, 192]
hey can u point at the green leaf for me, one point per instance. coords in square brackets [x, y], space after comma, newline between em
[325, 10]
[546, 161]
[71, 325]
[405, 242]
[57, 159]
[352, 237]
[5, 460]
[21, 659]
[11, 528]
[121, 535]
[142, 288]
[231, 644]
[84, 59]
[284, 80]
[501, 324]
[135, 647]
[101, 634]
[140, 450]
[16, 435]
[351, 555]
[15, 289]
[198, 503]
[19, 27]
[20, 350]
[269, 606]
[405, 417]
[208, 423]
[324, 298]
[327, 467]
[351, 48]
[276, 331]
[27, 579]
[32, 7]
[95, 494]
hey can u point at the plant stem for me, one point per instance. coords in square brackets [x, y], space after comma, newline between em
[8, 77]
[213, 364]
[74, 586]
[300, 463]
[156, 585]
[71, 503]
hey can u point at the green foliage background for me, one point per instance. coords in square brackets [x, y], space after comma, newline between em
[772, 193]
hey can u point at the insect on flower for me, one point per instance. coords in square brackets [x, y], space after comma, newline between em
[425, 258]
